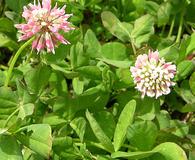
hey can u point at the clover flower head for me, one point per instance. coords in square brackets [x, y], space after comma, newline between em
[44, 23]
[152, 75]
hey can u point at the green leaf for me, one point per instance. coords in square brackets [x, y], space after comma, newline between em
[8, 105]
[64, 147]
[85, 152]
[66, 71]
[190, 107]
[108, 127]
[94, 99]
[99, 133]
[30, 155]
[132, 155]
[151, 7]
[8, 98]
[114, 51]
[139, 5]
[23, 94]
[26, 110]
[124, 79]
[170, 151]
[144, 106]
[170, 53]
[163, 13]
[61, 53]
[108, 78]
[37, 78]
[5, 41]
[192, 83]
[103, 158]
[142, 30]
[135, 134]
[17, 4]
[178, 5]
[79, 125]
[38, 138]
[192, 155]
[53, 120]
[112, 23]
[184, 68]
[186, 47]
[125, 119]
[181, 128]
[58, 83]
[78, 86]
[9, 25]
[116, 63]
[92, 45]
[191, 46]
[185, 92]
[163, 119]
[91, 72]
[78, 57]
[190, 9]
[12, 16]
[9, 148]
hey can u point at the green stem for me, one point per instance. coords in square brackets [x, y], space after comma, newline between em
[3, 67]
[15, 59]
[8, 119]
[180, 29]
[9, 62]
[20, 129]
[133, 47]
[98, 145]
[171, 28]
[163, 30]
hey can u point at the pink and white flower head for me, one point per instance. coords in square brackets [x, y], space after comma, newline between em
[44, 23]
[152, 75]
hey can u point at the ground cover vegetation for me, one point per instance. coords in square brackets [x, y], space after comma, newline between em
[97, 79]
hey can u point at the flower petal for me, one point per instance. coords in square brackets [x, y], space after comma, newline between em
[152, 75]
[46, 4]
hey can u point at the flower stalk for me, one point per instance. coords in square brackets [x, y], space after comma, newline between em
[180, 29]
[14, 59]
[133, 47]
[171, 28]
